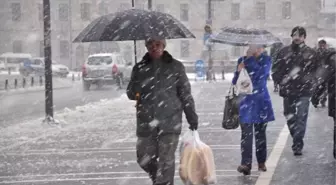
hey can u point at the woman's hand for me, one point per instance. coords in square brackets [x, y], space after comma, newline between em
[241, 66]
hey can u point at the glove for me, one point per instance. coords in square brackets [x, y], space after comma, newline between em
[193, 127]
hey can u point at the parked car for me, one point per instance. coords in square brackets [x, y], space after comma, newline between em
[105, 68]
[36, 66]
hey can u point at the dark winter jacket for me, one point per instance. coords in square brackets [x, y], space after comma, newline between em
[294, 69]
[326, 74]
[165, 92]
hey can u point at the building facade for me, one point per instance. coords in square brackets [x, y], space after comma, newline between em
[21, 24]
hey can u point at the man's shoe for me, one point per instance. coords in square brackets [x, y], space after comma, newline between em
[262, 167]
[244, 169]
[297, 153]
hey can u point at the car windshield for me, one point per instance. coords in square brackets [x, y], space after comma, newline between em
[2, 60]
[99, 60]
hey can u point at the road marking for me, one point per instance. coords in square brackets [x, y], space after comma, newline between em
[100, 179]
[265, 178]
[102, 173]
[102, 150]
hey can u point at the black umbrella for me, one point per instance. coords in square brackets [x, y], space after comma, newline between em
[134, 24]
[244, 37]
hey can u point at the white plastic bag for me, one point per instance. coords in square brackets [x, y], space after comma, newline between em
[244, 83]
[197, 165]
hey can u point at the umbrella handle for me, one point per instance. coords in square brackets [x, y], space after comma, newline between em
[137, 98]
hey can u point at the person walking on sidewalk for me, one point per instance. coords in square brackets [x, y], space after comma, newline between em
[294, 69]
[255, 109]
[320, 92]
[327, 74]
[161, 88]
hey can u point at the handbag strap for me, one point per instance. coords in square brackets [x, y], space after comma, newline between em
[232, 90]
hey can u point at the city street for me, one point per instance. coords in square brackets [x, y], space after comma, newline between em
[16, 108]
[94, 146]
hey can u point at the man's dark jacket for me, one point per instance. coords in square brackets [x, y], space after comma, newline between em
[326, 74]
[165, 92]
[294, 69]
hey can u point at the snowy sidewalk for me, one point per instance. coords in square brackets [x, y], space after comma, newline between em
[95, 144]
[317, 165]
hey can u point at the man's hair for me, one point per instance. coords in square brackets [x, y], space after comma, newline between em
[322, 41]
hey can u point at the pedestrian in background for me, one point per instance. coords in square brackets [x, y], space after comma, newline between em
[320, 92]
[326, 74]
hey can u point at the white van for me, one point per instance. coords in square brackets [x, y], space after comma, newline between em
[13, 60]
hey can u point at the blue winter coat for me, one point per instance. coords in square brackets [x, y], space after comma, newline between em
[256, 107]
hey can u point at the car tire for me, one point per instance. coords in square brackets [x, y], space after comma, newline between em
[86, 86]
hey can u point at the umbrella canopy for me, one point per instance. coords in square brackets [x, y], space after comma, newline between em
[134, 24]
[244, 37]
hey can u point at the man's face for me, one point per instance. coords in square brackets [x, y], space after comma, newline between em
[298, 39]
[322, 46]
[155, 48]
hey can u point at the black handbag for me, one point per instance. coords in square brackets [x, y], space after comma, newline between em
[231, 110]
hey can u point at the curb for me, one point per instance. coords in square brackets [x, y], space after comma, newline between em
[27, 91]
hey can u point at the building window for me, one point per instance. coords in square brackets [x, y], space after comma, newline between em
[185, 48]
[40, 12]
[103, 8]
[235, 11]
[261, 10]
[236, 51]
[41, 48]
[16, 11]
[63, 12]
[124, 6]
[17, 46]
[160, 8]
[64, 49]
[286, 10]
[184, 12]
[85, 11]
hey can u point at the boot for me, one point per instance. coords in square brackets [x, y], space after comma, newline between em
[244, 169]
[262, 167]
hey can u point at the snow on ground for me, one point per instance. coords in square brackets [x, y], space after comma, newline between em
[12, 73]
[116, 115]
[228, 76]
[75, 73]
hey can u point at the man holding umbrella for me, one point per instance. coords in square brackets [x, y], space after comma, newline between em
[294, 70]
[162, 90]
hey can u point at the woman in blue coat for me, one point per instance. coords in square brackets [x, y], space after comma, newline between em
[255, 109]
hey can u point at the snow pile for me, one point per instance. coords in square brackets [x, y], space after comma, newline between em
[117, 115]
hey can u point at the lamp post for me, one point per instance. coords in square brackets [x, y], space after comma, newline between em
[49, 107]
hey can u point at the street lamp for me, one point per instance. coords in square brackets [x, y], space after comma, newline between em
[49, 109]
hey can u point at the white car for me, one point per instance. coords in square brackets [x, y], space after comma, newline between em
[105, 68]
[59, 69]
[36, 66]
